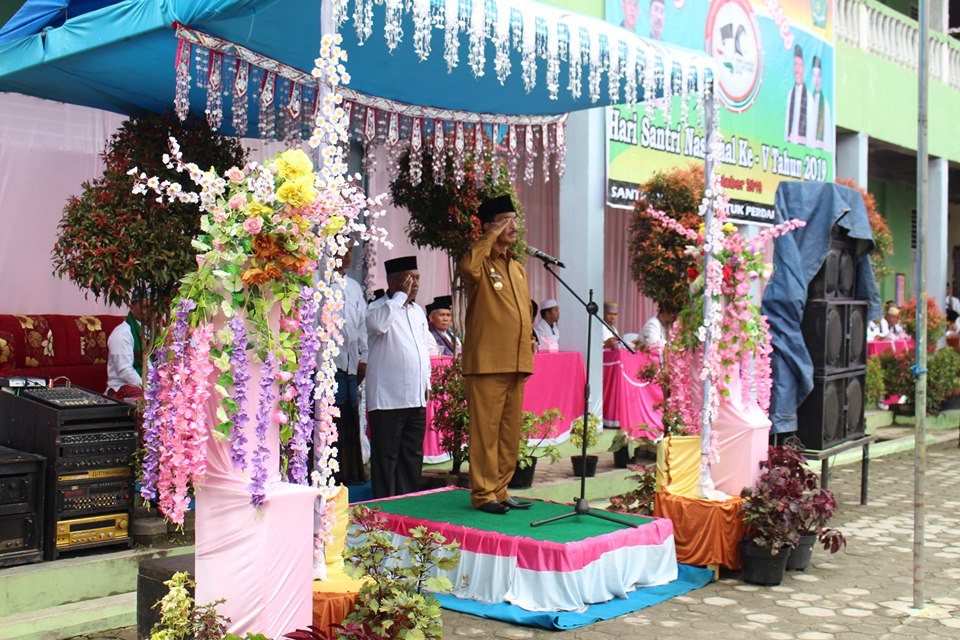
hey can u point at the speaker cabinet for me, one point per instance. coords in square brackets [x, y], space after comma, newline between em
[837, 278]
[835, 333]
[21, 507]
[833, 412]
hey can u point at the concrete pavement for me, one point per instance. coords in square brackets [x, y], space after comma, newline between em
[865, 591]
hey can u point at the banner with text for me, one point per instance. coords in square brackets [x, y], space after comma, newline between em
[775, 90]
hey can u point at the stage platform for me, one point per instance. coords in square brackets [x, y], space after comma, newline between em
[561, 566]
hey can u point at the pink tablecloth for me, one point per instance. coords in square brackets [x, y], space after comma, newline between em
[557, 382]
[628, 402]
[876, 347]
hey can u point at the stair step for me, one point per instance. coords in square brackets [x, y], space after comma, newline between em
[69, 620]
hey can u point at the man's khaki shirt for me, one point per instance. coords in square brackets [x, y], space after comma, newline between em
[498, 336]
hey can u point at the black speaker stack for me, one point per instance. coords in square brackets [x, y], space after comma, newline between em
[87, 441]
[835, 332]
[21, 507]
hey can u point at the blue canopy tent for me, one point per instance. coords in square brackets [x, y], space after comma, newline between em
[120, 56]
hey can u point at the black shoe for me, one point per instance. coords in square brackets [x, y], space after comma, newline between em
[515, 503]
[494, 507]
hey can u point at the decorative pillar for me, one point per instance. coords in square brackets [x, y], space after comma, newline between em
[852, 157]
[582, 190]
[937, 258]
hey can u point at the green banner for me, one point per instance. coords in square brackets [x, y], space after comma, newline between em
[775, 89]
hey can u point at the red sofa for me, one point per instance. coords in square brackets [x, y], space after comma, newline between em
[50, 346]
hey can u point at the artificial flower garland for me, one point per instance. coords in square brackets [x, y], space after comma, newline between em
[738, 332]
[273, 235]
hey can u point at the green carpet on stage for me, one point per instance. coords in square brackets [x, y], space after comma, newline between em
[454, 507]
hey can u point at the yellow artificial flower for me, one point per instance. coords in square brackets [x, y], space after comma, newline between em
[293, 164]
[298, 192]
[333, 225]
[701, 229]
[729, 227]
[254, 209]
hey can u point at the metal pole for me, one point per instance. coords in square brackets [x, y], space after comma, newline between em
[706, 481]
[920, 369]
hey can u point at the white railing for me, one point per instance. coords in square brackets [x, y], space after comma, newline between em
[873, 27]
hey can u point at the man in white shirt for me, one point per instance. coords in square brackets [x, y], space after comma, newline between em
[798, 102]
[657, 329]
[547, 326]
[888, 328]
[611, 313]
[351, 365]
[125, 356]
[398, 377]
[951, 302]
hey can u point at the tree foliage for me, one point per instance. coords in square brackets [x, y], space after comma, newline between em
[113, 243]
[882, 238]
[659, 264]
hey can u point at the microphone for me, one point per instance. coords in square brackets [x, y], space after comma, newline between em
[546, 257]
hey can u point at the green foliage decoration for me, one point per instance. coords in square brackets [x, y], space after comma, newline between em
[876, 389]
[182, 619]
[640, 499]
[545, 426]
[577, 431]
[115, 244]
[659, 263]
[943, 376]
[396, 602]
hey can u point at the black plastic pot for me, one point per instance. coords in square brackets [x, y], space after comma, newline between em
[760, 566]
[801, 554]
[578, 465]
[523, 478]
[622, 457]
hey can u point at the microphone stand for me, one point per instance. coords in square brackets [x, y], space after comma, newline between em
[581, 506]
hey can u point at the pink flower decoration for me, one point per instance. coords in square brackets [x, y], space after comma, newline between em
[289, 324]
[253, 225]
[235, 175]
[237, 200]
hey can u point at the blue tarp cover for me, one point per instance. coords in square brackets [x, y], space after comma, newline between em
[797, 258]
[121, 57]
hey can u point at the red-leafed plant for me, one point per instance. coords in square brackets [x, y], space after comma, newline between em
[936, 321]
[114, 243]
[659, 262]
[787, 501]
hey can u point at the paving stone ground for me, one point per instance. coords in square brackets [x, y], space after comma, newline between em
[865, 591]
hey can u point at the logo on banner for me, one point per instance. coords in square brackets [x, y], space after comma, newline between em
[732, 38]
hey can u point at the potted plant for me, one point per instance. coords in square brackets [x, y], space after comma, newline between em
[397, 601]
[584, 465]
[535, 429]
[620, 447]
[771, 523]
[451, 418]
[640, 499]
[811, 506]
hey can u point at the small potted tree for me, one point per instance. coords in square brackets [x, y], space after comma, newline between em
[584, 465]
[535, 429]
[640, 499]
[451, 418]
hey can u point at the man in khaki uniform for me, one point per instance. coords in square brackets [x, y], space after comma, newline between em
[497, 355]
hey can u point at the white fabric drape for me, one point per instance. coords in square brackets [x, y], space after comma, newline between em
[47, 150]
[618, 284]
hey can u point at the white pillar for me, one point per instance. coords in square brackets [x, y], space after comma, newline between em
[852, 157]
[582, 192]
[936, 259]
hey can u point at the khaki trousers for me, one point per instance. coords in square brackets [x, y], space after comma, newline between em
[495, 402]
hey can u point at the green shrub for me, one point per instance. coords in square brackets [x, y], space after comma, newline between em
[875, 387]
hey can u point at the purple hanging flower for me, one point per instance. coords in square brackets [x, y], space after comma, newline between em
[303, 383]
[241, 380]
[258, 476]
[151, 428]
